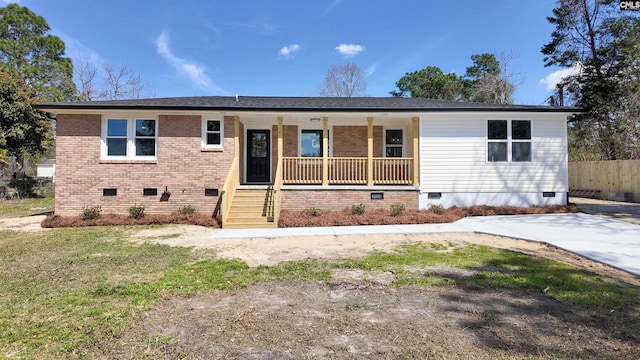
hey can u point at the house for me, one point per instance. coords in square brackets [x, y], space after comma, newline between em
[245, 158]
[46, 170]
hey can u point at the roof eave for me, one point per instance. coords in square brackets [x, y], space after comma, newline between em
[57, 107]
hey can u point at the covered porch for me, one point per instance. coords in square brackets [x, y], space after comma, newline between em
[321, 153]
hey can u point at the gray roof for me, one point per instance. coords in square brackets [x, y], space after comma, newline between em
[274, 103]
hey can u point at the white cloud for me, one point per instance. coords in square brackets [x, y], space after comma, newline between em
[550, 81]
[371, 69]
[333, 4]
[350, 49]
[193, 70]
[288, 50]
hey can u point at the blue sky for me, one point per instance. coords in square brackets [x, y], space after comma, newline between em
[283, 48]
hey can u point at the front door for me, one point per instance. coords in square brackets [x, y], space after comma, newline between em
[258, 156]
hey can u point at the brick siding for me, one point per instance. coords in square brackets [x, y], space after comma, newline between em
[338, 199]
[351, 141]
[182, 167]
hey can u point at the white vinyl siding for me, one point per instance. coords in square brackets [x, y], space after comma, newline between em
[453, 155]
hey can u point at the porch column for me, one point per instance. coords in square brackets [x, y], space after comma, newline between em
[325, 151]
[236, 137]
[416, 150]
[280, 151]
[370, 151]
[279, 138]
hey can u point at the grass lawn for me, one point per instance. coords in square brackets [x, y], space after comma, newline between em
[67, 292]
[25, 207]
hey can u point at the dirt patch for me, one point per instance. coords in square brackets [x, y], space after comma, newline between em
[27, 223]
[352, 317]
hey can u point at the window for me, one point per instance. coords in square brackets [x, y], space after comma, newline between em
[117, 137]
[521, 140]
[212, 133]
[129, 138]
[393, 143]
[149, 192]
[509, 140]
[497, 135]
[145, 137]
[311, 143]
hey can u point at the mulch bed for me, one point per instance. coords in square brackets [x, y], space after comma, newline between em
[324, 218]
[55, 221]
[383, 217]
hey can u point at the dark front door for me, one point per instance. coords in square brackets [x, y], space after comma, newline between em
[258, 156]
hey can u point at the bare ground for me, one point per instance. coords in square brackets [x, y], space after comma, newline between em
[358, 315]
[354, 318]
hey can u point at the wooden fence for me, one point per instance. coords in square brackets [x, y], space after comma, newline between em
[620, 176]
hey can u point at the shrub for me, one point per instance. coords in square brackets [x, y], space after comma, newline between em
[357, 209]
[24, 186]
[186, 210]
[136, 211]
[397, 209]
[437, 209]
[91, 212]
[312, 211]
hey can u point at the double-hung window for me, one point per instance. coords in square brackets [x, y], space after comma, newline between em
[129, 138]
[509, 140]
[212, 133]
[393, 143]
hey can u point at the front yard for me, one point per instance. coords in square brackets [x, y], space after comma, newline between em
[101, 292]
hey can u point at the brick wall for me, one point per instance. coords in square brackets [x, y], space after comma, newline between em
[182, 167]
[351, 141]
[338, 199]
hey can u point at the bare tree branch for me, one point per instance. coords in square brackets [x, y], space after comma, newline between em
[344, 80]
[113, 84]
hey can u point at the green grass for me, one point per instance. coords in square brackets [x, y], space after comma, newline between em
[496, 268]
[23, 207]
[65, 291]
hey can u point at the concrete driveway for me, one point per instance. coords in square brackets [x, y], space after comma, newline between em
[609, 241]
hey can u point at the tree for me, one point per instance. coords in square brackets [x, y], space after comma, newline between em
[596, 38]
[23, 129]
[344, 80]
[27, 50]
[430, 82]
[488, 80]
[110, 83]
[484, 81]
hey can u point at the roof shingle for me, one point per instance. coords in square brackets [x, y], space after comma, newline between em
[273, 103]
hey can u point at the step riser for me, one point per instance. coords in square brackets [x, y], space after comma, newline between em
[249, 209]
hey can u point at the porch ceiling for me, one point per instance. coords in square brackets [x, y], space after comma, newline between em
[304, 119]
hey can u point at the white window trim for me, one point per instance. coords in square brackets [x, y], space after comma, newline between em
[509, 140]
[203, 141]
[131, 137]
[403, 146]
[300, 129]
